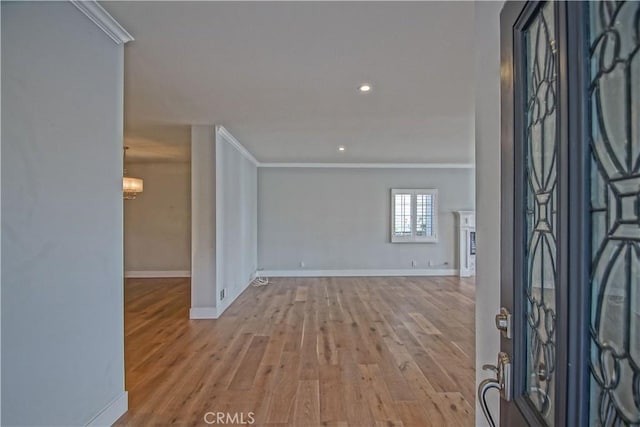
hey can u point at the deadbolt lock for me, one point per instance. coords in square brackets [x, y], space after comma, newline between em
[503, 322]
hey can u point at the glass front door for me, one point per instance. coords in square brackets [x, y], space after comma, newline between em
[571, 213]
[614, 140]
[540, 201]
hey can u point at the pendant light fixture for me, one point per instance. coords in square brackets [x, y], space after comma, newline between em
[130, 186]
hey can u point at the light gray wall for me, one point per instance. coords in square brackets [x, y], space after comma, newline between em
[203, 221]
[487, 121]
[62, 299]
[157, 224]
[340, 218]
[0, 230]
[236, 221]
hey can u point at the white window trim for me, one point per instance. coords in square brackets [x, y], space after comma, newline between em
[413, 238]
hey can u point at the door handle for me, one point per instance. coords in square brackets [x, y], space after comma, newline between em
[501, 382]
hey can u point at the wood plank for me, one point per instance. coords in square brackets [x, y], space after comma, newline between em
[284, 393]
[246, 372]
[380, 401]
[332, 404]
[426, 325]
[357, 405]
[301, 294]
[449, 409]
[413, 414]
[307, 406]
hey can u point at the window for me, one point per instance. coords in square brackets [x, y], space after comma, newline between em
[414, 216]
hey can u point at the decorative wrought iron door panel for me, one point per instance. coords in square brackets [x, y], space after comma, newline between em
[614, 115]
[541, 201]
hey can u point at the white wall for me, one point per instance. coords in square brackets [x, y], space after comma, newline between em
[157, 224]
[203, 222]
[236, 220]
[62, 296]
[339, 218]
[487, 93]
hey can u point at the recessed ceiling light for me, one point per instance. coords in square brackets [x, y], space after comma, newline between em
[365, 88]
[341, 148]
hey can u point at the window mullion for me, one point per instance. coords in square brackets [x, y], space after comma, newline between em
[414, 215]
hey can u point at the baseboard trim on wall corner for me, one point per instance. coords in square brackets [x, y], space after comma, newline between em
[112, 412]
[196, 313]
[359, 273]
[221, 309]
[156, 274]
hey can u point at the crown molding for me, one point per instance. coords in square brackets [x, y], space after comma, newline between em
[371, 165]
[107, 23]
[220, 130]
[224, 133]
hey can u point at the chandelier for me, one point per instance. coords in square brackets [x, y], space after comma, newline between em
[130, 186]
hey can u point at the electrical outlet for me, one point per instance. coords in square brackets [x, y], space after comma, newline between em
[414, 263]
[301, 264]
[222, 292]
[429, 263]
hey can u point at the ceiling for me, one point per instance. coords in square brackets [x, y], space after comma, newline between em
[283, 78]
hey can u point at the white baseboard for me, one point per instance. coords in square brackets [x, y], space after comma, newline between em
[216, 312]
[110, 414]
[358, 273]
[203, 313]
[156, 274]
[231, 298]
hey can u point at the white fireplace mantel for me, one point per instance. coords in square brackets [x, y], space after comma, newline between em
[466, 227]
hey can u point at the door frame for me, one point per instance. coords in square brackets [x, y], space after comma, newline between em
[573, 250]
[579, 227]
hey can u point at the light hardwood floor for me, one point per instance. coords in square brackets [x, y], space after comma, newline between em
[304, 352]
